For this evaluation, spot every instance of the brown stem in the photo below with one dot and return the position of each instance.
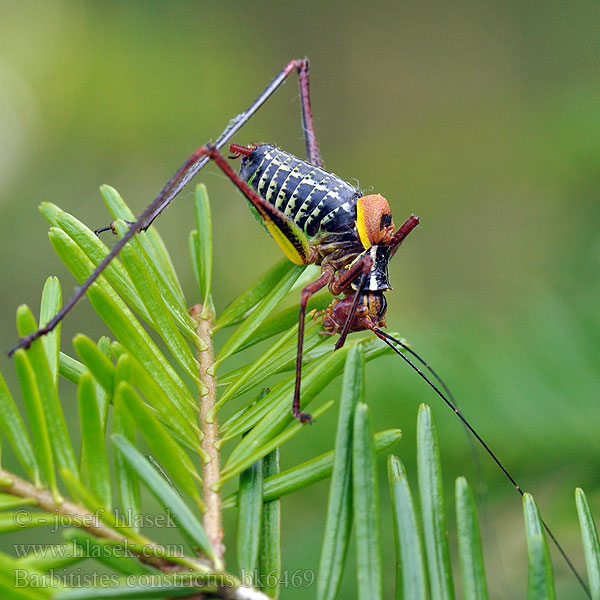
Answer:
(229, 588)
(211, 469)
(80, 516)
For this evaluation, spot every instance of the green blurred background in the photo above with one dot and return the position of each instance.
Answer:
(482, 118)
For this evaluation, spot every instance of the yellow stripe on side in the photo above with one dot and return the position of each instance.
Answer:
(284, 243)
(361, 224)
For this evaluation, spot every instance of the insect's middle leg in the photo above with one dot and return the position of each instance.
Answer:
(307, 292)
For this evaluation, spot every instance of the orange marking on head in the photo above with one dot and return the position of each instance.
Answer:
(374, 220)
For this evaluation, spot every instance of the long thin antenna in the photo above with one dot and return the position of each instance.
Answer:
(388, 339)
(428, 367)
(481, 489)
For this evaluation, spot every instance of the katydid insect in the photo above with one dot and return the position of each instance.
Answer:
(316, 218)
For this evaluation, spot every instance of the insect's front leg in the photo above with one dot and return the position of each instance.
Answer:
(361, 270)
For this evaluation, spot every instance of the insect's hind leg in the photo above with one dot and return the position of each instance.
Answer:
(186, 172)
(313, 154)
(193, 165)
(199, 158)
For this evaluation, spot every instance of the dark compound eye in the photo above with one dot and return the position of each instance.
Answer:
(386, 221)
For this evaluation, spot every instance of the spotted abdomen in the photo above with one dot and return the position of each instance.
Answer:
(317, 201)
